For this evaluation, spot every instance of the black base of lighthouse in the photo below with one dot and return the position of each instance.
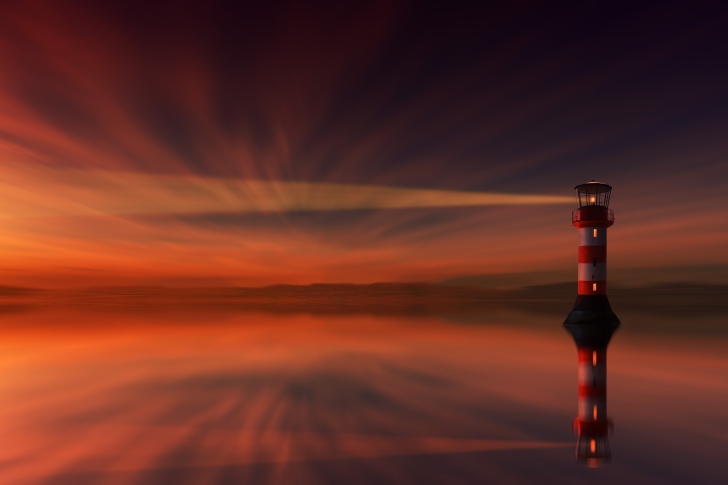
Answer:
(592, 310)
(591, 336)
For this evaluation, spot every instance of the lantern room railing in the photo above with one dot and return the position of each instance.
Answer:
(576, 215)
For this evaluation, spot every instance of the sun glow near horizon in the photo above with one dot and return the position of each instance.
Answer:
(108, 226)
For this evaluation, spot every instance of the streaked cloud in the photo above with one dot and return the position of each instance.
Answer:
(267, 148)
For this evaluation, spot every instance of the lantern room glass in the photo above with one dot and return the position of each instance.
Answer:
(593, 193)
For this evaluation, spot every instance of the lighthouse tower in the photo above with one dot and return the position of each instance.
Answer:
(592, 217)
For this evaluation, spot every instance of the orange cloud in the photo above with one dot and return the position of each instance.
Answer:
(132, 150)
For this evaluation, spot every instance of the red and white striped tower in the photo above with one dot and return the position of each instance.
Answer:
(591, 423)
(592, 218)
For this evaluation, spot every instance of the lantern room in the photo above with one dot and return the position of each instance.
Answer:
(593, 211)
(593, 193)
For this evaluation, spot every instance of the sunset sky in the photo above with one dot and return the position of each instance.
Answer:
(152, 142)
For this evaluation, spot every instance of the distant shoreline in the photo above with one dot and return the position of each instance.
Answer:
(378, 297)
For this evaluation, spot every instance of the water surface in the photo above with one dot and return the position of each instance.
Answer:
(207, 395)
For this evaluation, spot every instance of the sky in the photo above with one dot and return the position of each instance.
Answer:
(203, 144)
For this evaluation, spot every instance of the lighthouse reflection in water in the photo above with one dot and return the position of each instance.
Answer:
(592, 424)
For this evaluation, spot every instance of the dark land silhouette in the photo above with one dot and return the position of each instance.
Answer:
(672, 299)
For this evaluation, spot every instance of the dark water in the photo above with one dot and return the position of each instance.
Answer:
(207, 396)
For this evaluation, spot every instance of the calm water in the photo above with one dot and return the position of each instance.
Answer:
(206, 396)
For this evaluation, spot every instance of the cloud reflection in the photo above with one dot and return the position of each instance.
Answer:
(252, 391)
(212, 396)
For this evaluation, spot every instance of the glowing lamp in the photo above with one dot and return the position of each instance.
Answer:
(593, 194)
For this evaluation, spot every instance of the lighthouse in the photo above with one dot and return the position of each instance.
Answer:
(592, 217)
